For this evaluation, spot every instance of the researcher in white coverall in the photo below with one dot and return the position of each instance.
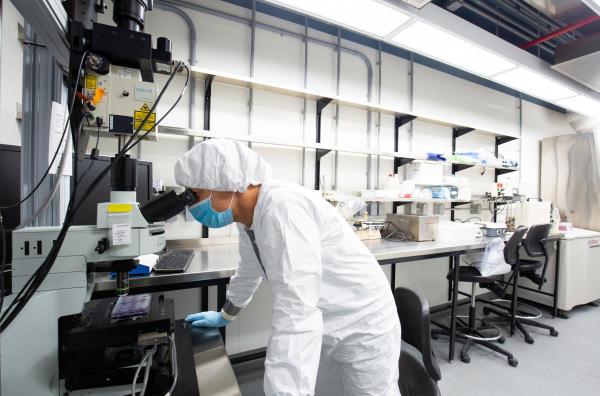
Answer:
(335, 326)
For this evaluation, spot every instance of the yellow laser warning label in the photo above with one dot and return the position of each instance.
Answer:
(140, 115)
(119, 208)
(90, 81)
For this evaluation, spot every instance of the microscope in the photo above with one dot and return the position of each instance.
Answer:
(61, 340)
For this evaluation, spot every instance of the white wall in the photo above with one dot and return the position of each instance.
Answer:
(11, 74)
(225, 45)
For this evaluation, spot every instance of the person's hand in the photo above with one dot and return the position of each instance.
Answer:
(207, 319)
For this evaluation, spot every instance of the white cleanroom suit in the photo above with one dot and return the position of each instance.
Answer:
(335, 328)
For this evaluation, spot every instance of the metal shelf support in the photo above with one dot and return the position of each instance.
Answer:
(321, 104)
(499, 141)
(207, 99)
(459, 167)
(400, 120)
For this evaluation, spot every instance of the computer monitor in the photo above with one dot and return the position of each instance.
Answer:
(86, 215)
(10, 193)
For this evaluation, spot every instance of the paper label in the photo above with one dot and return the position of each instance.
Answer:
(163, 67)
(140, 115)
(144, 92)
(121, 234)
(90, 81)
(119, 208)
(124, 73)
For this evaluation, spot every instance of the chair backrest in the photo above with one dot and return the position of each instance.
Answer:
(413, 311)
(511, 249)
(535, 241)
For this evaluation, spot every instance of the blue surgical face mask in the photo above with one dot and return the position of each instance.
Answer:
(204, 213)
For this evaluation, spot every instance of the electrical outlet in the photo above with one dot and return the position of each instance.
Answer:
(476, 209)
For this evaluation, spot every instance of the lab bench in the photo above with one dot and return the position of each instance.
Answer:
(213, 265)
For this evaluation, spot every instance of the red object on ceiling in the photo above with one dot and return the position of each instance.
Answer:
(566, 29)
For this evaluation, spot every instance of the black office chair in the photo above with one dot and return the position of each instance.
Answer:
(418, 377)
(487, 333)
(519, 314)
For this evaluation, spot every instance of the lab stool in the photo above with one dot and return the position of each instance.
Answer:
(468, 331)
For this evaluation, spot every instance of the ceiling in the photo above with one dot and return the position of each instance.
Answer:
(521, 21)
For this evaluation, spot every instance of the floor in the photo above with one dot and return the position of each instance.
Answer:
(566, 365)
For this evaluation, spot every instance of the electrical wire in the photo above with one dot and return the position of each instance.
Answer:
(467, 220)
(40, 274)
(44, 205)
(128, 146)
(147, 371)
(173, 365)
(93, 158)
(397, 235)
(19, 297)
(59, 143)
(146, 358)
(3, 239)
(187, 79)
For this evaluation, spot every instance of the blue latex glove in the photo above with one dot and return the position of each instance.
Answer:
(207, 319)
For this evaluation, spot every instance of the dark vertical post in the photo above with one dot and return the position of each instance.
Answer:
(221, 296)
(456, 262)
(321, 104)
(207, 99)
(556, 279)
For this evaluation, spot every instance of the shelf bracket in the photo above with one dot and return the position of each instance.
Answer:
(402, 119)
(459, 131)
(207, 98)
(459, 167)
(399, 120)
(501, 171)
(504, 139)
(399, 161)
(320, 153)
(501, 140)
(455, 204)
(321, 104)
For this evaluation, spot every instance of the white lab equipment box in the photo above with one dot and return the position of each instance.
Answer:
(427, 173)
(579, 274)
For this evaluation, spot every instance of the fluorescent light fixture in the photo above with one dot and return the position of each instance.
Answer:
(534, 84)
(369, 16)
(581, 104)
(451, 49)
(594, 5)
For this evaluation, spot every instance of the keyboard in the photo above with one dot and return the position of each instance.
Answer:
(174, 261)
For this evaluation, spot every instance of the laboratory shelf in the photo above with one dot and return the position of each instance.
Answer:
(323, 98)
(321, 148)
(334, 196)
(458, 166)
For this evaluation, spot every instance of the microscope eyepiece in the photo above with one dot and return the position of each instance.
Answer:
(167, 205)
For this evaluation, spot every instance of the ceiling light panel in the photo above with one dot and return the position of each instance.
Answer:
(534, 84)
(369, 16)
(594, 5)
(448, 48)
(581, 104)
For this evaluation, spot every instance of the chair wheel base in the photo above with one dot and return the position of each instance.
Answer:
(554, 333)
(513, 362)
(529, 340)
(465, 358)
(501, 340)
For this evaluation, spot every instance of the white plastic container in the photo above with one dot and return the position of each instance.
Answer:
(425, 173)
